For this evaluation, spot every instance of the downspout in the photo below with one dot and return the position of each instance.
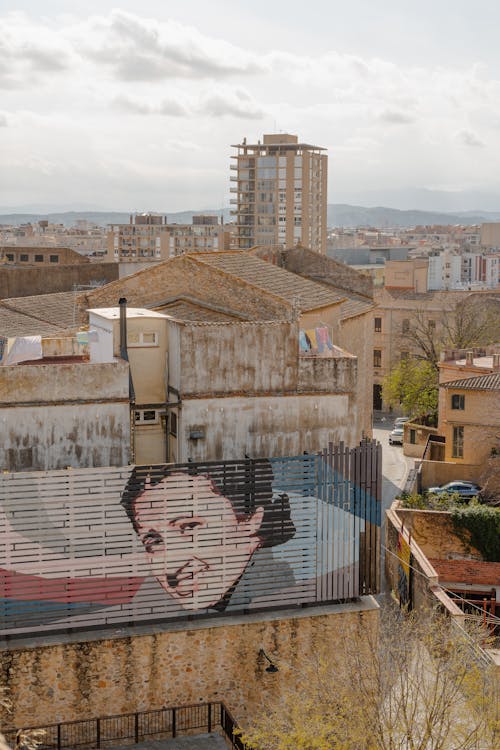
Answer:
(124, 355)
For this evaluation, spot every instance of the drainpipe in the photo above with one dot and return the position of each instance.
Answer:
(124, 355)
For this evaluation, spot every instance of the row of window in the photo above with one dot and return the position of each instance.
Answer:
(405, 326)
(24, 258)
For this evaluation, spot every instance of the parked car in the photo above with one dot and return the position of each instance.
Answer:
(399, 421)
(461, 487)
(396, 436)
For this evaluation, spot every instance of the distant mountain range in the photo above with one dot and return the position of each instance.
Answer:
(339, 215)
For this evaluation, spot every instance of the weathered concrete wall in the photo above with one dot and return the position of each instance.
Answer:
(265, 426)
(333, 374)
(59, 415)
(114, 673)
(434, 533)
(356, 336)
(58, 383)
(39, 438)
(434, 473)
(239, 358)
(24, 282)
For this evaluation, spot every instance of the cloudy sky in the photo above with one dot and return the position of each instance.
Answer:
(134, 106)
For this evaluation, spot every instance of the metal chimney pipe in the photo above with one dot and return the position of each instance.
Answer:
(123, 328)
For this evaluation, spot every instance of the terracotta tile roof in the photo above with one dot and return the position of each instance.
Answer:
(191, 311)
(489, 382)
(13, 323)
(59, 309)
(269, 278)
(468, 571)
(355, 305)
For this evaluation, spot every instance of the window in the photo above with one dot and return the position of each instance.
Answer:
(173, 423)
(458, 402)
(457, 450)
(10, 256)
(404, 356)
(406, 326)
(24, 258)
(142, 338)
(378, 325)
(54, 259)
(431, 325)
(377, 358)
(38, 258)
(146, 416)
(413, 437)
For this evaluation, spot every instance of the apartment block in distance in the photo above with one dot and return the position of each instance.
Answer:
(148, 237)
(280, 188)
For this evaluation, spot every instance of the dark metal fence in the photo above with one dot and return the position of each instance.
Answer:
(129, 729)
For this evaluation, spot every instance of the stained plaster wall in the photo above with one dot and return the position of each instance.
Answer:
(238, 357)
(262, 426)
(115, 673)
(59, 415)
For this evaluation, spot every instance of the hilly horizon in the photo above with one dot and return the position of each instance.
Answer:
(338, 215)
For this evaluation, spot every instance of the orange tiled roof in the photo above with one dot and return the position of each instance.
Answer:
(467, 571)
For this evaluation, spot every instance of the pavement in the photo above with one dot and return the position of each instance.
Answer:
(395, 468)
(193, 742)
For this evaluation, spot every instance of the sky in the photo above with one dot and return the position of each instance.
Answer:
(134, 106)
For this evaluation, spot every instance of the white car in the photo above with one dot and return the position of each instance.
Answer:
(399, 421)
(396, 436)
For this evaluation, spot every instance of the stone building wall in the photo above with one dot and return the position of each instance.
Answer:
(24, 282)
(52, 680)
(433, 531)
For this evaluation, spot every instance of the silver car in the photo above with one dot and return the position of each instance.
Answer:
(461, 487)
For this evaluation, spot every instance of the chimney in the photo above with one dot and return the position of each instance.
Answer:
(123, 344)
(469, 358)
(123, 328)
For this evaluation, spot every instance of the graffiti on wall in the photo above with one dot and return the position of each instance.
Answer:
(82, 548)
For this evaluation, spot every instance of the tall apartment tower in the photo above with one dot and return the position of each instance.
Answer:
(280, 186)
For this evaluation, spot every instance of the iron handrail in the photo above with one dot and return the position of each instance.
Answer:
(134, 727)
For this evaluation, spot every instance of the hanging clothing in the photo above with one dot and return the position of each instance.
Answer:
(23, 349)
(311, 335)
(304, 343)
(323, 337)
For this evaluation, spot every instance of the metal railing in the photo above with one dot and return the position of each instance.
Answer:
(132, 728)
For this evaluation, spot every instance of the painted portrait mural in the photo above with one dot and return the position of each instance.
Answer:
(105, 546)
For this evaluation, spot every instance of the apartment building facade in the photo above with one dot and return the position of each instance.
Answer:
(148, 237)
(280, 193)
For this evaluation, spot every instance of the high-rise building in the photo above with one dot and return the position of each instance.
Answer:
(280, 186)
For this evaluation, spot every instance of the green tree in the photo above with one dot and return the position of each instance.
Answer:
(417, 685)
(413, 383)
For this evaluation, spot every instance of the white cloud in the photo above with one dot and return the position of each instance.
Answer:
(29, 51)
(218, 102)
(3, 120)
(139, 49)
(469, 138)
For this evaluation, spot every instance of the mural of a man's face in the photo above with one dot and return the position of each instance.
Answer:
(196, 544)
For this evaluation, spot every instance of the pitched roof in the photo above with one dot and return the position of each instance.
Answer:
(468, 571)
(59, 309)
(13, 323)
(192, 311)
(488, 382)
(269, 278)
